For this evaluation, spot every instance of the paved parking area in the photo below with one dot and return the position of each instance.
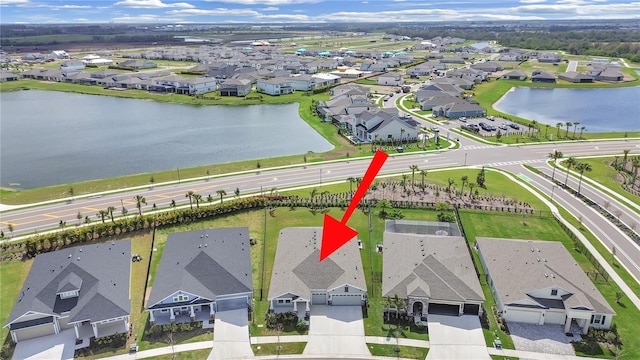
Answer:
(456, 337)
(335, 331)
(52, 347)
(548, 339)
(231, 336)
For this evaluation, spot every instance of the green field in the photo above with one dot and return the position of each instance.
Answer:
(405, 352)
(605, 175)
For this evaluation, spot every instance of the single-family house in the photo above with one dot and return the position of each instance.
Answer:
(539, 282)
(275, 86)
(542, 77)
(477, 76)
(391, 79)
(384, 125)
(7, 76)
(452, 60)
(58, 54)
(325, 79)
(200, 273)
(84, 288)
(428, 102)
(576, 77)
(458, 108)
(300, 280)
(429, 265)
(445, 87)
(137, 64)
(72, 65)
(235, 87)
(302, 82)
(488, 67)
(549, 57)
(514, 75)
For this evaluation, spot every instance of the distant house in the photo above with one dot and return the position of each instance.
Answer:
(452, 60)
(391, 79)
(576, 77)
(425, 68)
(325, 79)
(549, 57)
(200, 273)
(85, 288)
(137, 64)
(303, 82)
(299, 280)
(7, 76)
(58, 54)
(539, 282)
(542, 77)
(433, 273)
(515, 75)
(385, 125)
(72, 65)
(458, 108)
(275, 86)
(489, 66)
(235, 87)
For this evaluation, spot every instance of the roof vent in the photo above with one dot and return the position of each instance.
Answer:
(78, 258)
(69, 257)
(206, 235)
(80, 249)
(113, 243)
(205, 245)
(538, 259)
(532, 250)
(546, 275)
(553, 276)
(201, 236)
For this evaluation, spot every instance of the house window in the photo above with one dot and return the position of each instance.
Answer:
(280, 301)
(554, 292)
(287, 301)
(346, 289)
(597, 319)
(164, 310)
(180, 298)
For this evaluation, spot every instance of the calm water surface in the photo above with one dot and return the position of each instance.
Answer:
(599, 110)
(50, 138)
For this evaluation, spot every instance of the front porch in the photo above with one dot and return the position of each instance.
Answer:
(179, 315)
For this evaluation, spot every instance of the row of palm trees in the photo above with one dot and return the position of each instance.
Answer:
(568, 124)
(570, 163)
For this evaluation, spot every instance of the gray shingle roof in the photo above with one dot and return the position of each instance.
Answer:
(101, 272)
(206, 263)
(298, 270)
(436, 266)
(517, 271)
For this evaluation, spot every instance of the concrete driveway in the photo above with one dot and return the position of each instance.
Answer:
(547, 338)
(57, 346)
(231, 336)
(336, 330)
(456, 337)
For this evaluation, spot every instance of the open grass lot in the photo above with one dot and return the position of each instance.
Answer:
(12, 275)
(405, 352)
(605, 175)
(285, 348)
(478, 224)
(187, 355)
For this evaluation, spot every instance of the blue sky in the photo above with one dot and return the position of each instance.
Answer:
(269, 11)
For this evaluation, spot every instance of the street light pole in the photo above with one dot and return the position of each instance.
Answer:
(320, 176)
(465, 159)
(553, 188)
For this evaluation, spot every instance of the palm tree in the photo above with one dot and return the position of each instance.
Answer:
(403, 182)
(558, 125)
(189, 195)
(423, 173)
(351, 180)
(139, 199)
(557, 154)
(582, 167)
(222, 193)
(582, 128)
(566, 133)
(79, 217)
(625, 153)
(110, 210)
(465, 180)
(471, 186)
(451, 183)
(401, 133)
(237, 193)
(569, 163)
(575, 127)
(209, 199)
(197, 198)
(635, 164)
(102, 214)
(546, 129)
(413, 168)
(172, 204)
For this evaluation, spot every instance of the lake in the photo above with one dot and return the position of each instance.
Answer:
(50, 138)
(598, 109)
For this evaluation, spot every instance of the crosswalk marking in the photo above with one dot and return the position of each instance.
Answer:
(536, 161)
(478, 147)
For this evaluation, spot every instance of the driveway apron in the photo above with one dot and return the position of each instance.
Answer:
(231, 336)
(336, 330)
(51, 347)
(456, 337)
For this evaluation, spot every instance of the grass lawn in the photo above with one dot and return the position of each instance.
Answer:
(405, 352)
(545, 228)
(366, 82)
(12, 276)
(285, 348)
(605, 175)
(186, 355)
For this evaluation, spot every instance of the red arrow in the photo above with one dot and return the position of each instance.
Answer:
(334, 233)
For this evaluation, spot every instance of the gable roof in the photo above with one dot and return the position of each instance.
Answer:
(297, 268)
(516, 270)
(100, 272)
(416, 263)
(207, 263)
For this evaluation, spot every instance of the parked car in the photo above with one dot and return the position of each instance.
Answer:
(514, 126)
(502, 127)
(462, 118)
(491, 118)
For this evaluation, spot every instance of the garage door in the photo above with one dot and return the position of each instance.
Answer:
(319, 299)
(555, 317)
(232, 304)
(346, 300)
(35, 331)
(531, 317)
(444, 309)
(471, 309)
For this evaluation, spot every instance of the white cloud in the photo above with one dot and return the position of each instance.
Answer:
(532, 1)
(284, 17)
(58, 7)
(268, 2)
(214, 12)
(144, 18)
(81, 20)
(12, 2)
(153, 4)
(270, 8)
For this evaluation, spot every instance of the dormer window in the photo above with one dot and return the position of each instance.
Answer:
(554, 292)
(180, 298)
(69, 294)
